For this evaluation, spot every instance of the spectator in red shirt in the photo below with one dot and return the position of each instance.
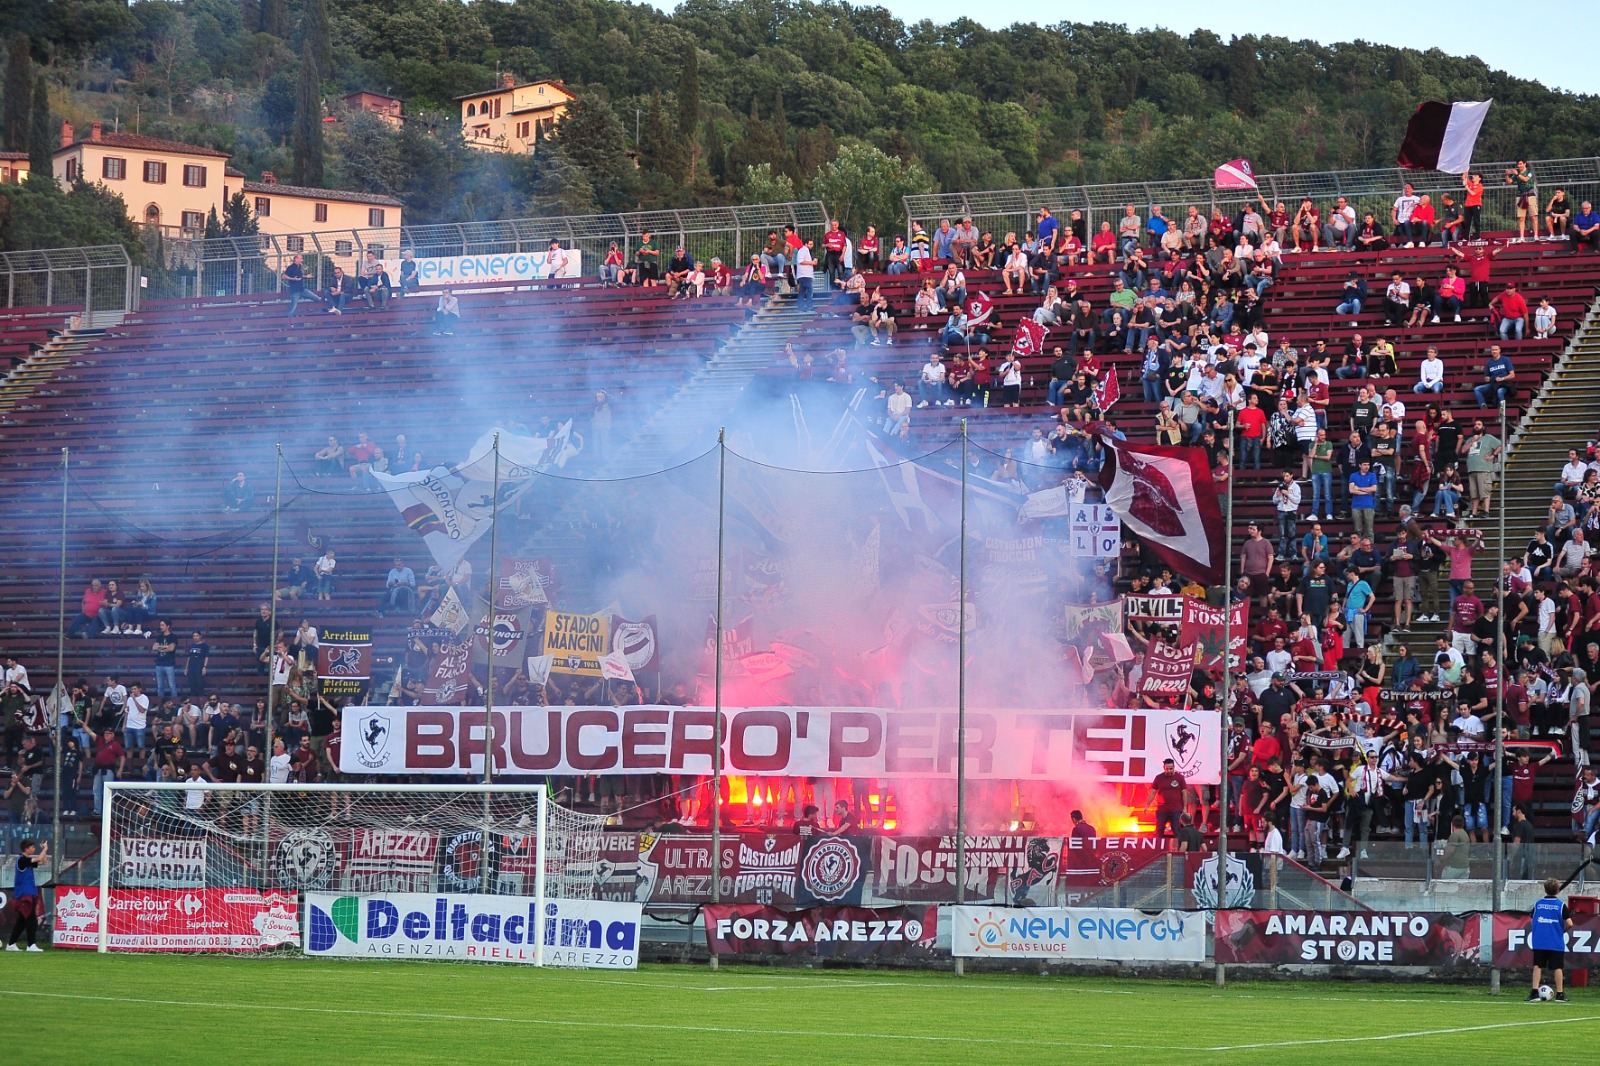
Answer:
(833, 243)
(1513, 311)
(1477, 259)
(1252, 421)
(88, 617)
(1169, 794)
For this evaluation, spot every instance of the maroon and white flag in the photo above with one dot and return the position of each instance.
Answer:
(1029, 338)
(1166, 496)
(979, 308)
(1208, 628)
(1236, 174)
(1108, 392)
(1167, 668)
(1442, 136)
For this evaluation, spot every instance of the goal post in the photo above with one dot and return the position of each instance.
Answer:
(291, 840)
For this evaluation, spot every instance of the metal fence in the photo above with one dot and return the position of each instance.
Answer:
(99, 282)
(1017, 210)
(241, 265)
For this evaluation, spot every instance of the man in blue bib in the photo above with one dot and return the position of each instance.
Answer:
(25, 900)
(1547, 936)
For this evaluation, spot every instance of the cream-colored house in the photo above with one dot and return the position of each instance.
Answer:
(174, 186)
(14, 166)
(512, 117)
(290, 209)
(164, 183)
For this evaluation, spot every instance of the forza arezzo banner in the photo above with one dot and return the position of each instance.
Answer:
(156, 919)
(1354, 938)
(1511, 950)
(1118, 934)
(824, 932)
(1119, 746)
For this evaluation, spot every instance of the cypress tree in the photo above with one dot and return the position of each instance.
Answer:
(307, 140)
(41, 134)
(19, 93)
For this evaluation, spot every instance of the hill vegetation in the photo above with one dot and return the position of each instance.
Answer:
(726, 101)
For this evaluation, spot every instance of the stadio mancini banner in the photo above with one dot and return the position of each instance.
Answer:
(1093, 745)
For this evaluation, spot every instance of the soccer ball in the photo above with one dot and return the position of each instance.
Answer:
(1545, 991)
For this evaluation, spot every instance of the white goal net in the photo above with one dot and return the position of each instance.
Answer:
(508, 840)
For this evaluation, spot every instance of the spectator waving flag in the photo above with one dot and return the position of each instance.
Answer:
(979, 308)
(1166, 496)
(1029, 338)
(1442, 136)
(1236, 174)
(1107, 392)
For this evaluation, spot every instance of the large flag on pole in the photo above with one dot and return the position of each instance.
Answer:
(452, 507)
(1236, 174)
(1167, 497)
(979, 307)
(1442, 136)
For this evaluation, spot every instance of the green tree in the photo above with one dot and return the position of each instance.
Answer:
(42, 134)
(689, 109)
(238, 219)
(663, 150)
(41, 214)
(213, 225)
(863, 186)
(274, 18)
(593, 139)
(762, 185)
(314, 34)
(19, 93)
(308, 163)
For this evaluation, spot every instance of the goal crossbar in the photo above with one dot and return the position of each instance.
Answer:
(539, 792)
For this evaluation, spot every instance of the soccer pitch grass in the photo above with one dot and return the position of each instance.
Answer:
(82, 1008)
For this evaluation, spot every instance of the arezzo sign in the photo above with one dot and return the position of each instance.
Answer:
(1043, 745)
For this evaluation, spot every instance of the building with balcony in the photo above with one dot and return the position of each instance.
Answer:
(511, 117)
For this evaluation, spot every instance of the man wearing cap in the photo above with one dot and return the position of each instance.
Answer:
(965, 239)
(1169, 794)
(1513, 311)
(679, 267)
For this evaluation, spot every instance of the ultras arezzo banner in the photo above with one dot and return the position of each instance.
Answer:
(473, 927)
(1119, 934)
(1117, 746)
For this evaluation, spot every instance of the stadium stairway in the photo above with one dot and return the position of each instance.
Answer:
(34, 372)
(710, 393)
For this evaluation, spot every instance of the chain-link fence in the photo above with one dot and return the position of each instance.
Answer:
(1017, 210)
(98, 283)
(230, 266)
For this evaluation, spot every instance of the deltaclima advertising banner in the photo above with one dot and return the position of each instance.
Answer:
(475, 928)
(1112, 934)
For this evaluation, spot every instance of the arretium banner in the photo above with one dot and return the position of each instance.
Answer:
(1125, 746)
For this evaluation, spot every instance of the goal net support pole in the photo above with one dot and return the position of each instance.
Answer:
(469, 838)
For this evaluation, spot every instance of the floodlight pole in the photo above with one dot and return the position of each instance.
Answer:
(961, 700)
(1498, 842)
(716, 683)
(1226, 691)
(58, 737)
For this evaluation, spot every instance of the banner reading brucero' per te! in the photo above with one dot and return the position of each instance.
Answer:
(445, 270)
(1116, 746)
(834, 932)
(474, 927)
(1117, 934)
(1403, 939)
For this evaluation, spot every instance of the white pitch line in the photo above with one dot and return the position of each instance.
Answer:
(953, 1038)
(1405, 1036)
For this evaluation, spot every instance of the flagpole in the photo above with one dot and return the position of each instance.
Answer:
(272, 663)
(716, 683)
(488, 690)
(57, 739)
(1499, 705)
(961, 700)
(1227, 685)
